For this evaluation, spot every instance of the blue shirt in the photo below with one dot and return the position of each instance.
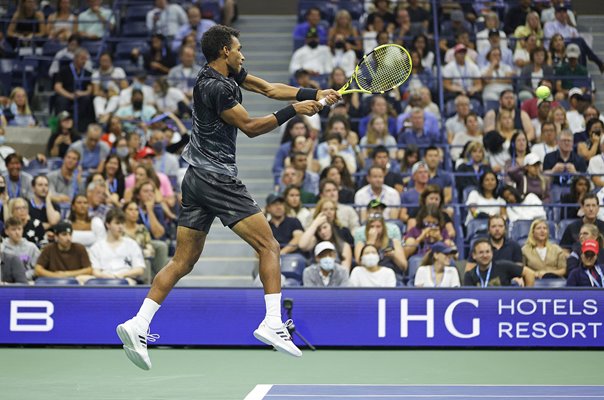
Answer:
(430, 122)
(365, 121)
(280, 157)
(184, 31)
(301, 30)
(426, 138)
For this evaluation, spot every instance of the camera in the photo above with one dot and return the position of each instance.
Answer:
(288, 304)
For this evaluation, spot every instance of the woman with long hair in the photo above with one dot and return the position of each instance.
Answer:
(390, 251)
(27, 23)
(474, 162)
(524, 46)
(294, 207)
(532, 26)
(164, 194)
(591, 147)
(327, 231)
(579, 187)
(587, 231)
(420, 45)
(62, 23)
(339, 163)
(534, 72)
(342, 25)
(485, 201)
(436, 269)
(369, 272)
(114, 177)
(557, 115)
(134, 230)
(433, 196)
(496, 147)
(328, 209)
(429, 229)
(18, 112)
(420, 77)
(345, 194)
(545, 258)
(557, 50)
(519, 148)
(410, 157)
(378, 134)
(86, 231)
(522, 205)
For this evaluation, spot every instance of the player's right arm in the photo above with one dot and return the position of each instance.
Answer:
(238, 116)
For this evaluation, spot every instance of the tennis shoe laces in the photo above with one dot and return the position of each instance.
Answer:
(134, 336)
(279, 338)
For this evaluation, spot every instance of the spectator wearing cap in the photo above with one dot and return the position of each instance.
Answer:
(548, 13)
(73, 87)
(545, 258)
(559, 25)
(420, 174)
(312, 20)
(370, 272)
(436, 269)
(461, 76)
(286, 230)
(529, 178)
(494, 42)
(91, 149)
(376, 189)
(590, 272)
(197, 25)
(63, 258)
(65, 183)
(573, 70)
(62, 137)
(417, 132)
(325, 272)
(375, 210)
(380, 157)
(462, 38)
(314, 57)
(491, 21)
(18, 182)
(493, 273)
(516, 15)
(564, 162)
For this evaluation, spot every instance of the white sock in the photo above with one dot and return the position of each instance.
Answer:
(273, 310)
(148, 310)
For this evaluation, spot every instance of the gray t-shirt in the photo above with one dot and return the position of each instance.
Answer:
(20, 188)
(213, 141)
(59, 185)
(26, 251)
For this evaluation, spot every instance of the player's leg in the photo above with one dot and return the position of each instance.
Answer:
(133, 333)
(256, 231)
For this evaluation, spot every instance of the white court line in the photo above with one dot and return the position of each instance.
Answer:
(259, 392)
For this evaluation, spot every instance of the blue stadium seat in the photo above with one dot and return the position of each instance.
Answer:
(291, 282)
(292, 266)
(563, 224)
(414, 263)
(50, 48)
(137, 13)
(123, 49)
(57, 281)
(135, 29)
(466, 192)
(475, 228)
(94, 47)
(107, 282)
(520, 229)
(353, 7)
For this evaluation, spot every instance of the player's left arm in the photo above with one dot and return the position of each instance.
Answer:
(280, 91)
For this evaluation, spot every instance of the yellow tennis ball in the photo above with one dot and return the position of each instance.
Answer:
(543, 92)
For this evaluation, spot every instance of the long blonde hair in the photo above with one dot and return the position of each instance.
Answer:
(531, 241)
(550, 117)
(13, 93)
(372, 135)
(349, 27)
(319, 209)
(385, 238)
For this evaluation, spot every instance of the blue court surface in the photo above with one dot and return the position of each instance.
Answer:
(423, 392)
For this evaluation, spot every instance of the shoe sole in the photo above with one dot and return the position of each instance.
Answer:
(132, 354)
(258, 335)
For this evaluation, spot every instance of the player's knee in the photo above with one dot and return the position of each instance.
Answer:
(270, 246)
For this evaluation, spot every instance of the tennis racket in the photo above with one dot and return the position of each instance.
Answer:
(385, 68)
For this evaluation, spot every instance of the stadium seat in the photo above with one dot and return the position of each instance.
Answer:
(135, 29)
(520, 229)
(292, 266)
(137, 13)
(107, 282)
(550, 283)
(491, 105)
(94, 47)
(476, 227)
(291, 282)
(563, 224)
(50, 48)
(414, 263)
(57, 281)
(123, 49)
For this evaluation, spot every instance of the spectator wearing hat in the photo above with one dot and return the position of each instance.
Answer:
(376, 189)
(548, 13)
(375, 210)
(312, 20)
(590, 272)
(91, 149)
(529, 178)
(494, 42)
(492, 273)
(420, 174)
(462, 38)
(18, 182)
(64, 135)
(325, 272)
(63, 258)
(461, 76)
(286, 230)
(314, 57)
(573, 70)
(436, 269)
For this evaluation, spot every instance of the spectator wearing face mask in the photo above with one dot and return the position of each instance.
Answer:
(369, 273)
(325, 272)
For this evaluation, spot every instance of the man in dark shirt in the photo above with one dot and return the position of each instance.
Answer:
(590, 207)
(564, 162)
(74, 90)
(503, 249)
(286, 230)
(489, 272)
(211, 188)
(381, 158)
(41, 207)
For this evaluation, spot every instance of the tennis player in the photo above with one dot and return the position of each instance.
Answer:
(211, 189)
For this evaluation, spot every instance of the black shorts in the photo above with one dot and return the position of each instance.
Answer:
(207, 195)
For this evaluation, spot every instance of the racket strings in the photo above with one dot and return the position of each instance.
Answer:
(383, 69)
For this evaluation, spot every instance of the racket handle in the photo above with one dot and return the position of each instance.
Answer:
(323, 101)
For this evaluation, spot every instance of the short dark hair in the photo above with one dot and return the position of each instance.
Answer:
(12, 221)
(106, 53)
(372, 168)
(379, 150)
(497, 216)
(12, 157)
(215, 39)
(589, 196)
(431, 148)
(480, 241)
(325, 182)
(33, 181)
(115, 214)
(333, 135)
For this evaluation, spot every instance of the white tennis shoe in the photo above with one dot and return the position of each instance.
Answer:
(279, 338)
(134, 336)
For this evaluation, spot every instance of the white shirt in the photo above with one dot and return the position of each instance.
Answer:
(483, 205)
(347, 216)
(347, 60)
(89, 238)
(454, 71)
(171, 19)
(596, 165)
(318, 59)
(492, 90)
(169, 103)
(389, 196)
(576, 122)
(549, 14)
(113, 260)
(552, 27)
(482, 41)
(521, 212)
(361, 277)
(111, 79)
(541, 149)
(91, 24)
(424, 277)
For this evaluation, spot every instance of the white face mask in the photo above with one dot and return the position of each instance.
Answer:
(327, 263)
(370, 260)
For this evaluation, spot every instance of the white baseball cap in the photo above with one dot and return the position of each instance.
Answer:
(531, 159)
(321, 247)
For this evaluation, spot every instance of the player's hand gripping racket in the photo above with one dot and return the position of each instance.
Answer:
(387, 67)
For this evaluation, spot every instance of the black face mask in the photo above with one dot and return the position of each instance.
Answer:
(340, 45)
(313, 44)
(137, 105)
